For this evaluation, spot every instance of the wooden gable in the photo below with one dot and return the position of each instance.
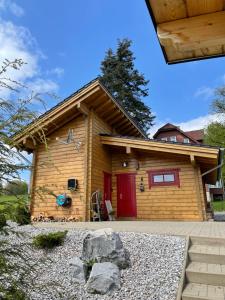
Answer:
(189, 29)
(92, 97)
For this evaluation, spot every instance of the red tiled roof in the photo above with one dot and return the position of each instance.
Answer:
(169, 126)
(197, 135)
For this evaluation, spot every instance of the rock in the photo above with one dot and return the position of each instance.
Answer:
(104, 278)
(105, 245)
(78, 270)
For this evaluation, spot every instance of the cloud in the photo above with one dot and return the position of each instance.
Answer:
(193, 124)
(40, 85)
(56, 71)
(200, 122)
(17, 42)
(11, 6)
(204, 92)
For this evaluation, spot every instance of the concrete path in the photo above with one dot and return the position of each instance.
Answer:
(202, 229)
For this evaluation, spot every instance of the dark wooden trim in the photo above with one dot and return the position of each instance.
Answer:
(174, 171)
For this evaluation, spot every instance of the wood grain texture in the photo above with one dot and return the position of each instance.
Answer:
(200, 7)
(168, 10)
(53, 167)
(161, 203)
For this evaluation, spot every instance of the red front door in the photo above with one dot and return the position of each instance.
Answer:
(107, 191)
(126, 195)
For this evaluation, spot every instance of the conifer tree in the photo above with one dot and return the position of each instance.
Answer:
(127, 85)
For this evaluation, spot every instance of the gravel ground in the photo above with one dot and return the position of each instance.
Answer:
(154, 275)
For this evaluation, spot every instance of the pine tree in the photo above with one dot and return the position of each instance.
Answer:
(126, 84)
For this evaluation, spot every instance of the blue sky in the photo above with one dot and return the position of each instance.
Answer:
(63, 43)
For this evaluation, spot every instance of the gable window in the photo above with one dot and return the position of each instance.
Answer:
(173, 138)
(186, 140)
(163, 177)
(164, 139)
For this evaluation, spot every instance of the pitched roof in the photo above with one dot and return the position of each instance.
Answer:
(198, 135)
(93, 95)
(170, 127)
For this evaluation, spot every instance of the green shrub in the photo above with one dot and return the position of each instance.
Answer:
(2, 221)
(14, 294)
(22, 215)
(49, 240)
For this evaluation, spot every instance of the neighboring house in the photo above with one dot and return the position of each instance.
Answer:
(93, 144)
(172, 133)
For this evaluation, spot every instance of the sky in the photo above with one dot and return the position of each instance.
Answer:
(63, 43)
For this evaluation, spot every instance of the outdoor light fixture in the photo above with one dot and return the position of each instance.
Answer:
(125, 164)
(142, 187)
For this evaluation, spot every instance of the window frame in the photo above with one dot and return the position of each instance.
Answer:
(165, 138)
(152, 173)
(175, 138)
(186, 140)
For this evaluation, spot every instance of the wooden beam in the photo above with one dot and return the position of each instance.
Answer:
(120, 123)
(83, 108)
(201, 7)
(128, 150)
(193, 33)
(168, 10)
(59, 110)
(114, 117)
(193, 161)
(109, 111)
(100, 102)
(162, 147)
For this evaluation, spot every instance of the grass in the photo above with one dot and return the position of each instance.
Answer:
(15, 208)
(9, 198)
(219, 205)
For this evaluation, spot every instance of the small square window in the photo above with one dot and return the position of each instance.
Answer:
(186, 140)
(169, 178)
(173, 138)
(158, 178)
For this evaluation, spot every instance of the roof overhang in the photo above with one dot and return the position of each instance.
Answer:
(93, 97)
(189, 30)
(206, 157)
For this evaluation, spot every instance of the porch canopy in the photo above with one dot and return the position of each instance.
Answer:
(189, 29)
(206, 157)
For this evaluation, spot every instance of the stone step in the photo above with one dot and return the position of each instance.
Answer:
(212, 274)
(195, 291)
(207, 254)
(215, 242)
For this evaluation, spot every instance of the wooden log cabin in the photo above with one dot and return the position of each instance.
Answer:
(91, 140)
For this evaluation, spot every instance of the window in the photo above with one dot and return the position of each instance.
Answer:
(164, 177)
(173, 138)
(186, 140)
(164, 139)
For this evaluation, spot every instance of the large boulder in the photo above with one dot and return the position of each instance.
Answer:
(105, 245)
(104, 278)
(78, 270)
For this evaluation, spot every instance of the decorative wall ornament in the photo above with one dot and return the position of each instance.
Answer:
(71, 139)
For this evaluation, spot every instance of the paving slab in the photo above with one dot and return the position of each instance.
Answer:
(200, 229)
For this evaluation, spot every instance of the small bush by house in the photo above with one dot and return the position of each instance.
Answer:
(2, 221)
(49, 240)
